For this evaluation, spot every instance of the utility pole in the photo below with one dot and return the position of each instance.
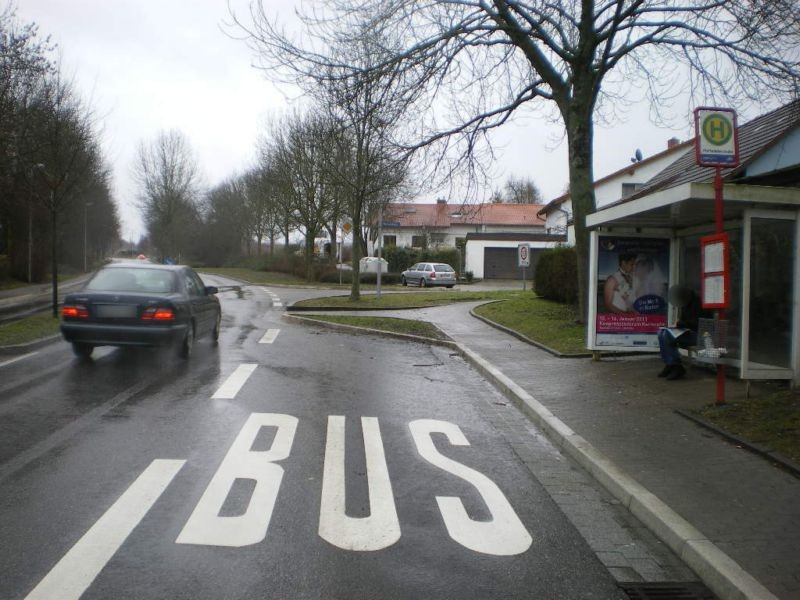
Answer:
(54, 250)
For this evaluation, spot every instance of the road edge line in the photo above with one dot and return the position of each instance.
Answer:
(724, 576)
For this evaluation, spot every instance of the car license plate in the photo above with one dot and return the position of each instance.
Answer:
(115, 311)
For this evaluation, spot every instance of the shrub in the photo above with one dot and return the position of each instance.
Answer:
(469, 276)
(400, 259)
(556, 275)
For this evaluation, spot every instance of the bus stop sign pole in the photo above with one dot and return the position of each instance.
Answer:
(717, 146)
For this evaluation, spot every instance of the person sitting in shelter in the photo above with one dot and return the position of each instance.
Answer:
(682, 335)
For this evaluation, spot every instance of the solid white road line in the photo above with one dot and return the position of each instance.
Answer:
(18, 358)
(235, 381)
(74, 573)
(276, 304)
(269, 336)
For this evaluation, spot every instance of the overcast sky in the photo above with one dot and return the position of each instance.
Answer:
(149, 65)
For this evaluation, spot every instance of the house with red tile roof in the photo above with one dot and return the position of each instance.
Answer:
(489, 232)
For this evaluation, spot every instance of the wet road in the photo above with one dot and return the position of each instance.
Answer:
(288, 462)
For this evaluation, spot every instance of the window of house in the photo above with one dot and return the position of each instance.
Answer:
(629, 188)
(418, 241)
(390, 240)
(438, 238)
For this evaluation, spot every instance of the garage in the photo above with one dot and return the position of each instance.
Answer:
(494, 255)
(501, 263)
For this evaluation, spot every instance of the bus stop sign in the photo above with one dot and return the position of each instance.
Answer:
(717, 137)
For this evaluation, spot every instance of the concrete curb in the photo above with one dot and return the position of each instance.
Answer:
(715, 568)
(369, 331)
(24, 348)
(524, 338)
(774, 457)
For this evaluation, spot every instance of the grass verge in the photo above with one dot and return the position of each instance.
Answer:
(28, 329)
(544, 321)
(412, 327)
(772, 420)
(406, 300)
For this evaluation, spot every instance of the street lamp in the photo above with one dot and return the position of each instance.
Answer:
(38, 166)
(85, 227)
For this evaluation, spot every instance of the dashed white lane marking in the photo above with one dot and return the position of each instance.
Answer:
(269, 336)
(276, 301)
(18, 358)
(74, 573)
(235, 381)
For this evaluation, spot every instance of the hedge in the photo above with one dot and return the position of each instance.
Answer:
(556, 275)
(400, 259)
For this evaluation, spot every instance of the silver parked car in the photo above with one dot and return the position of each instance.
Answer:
(425, 273)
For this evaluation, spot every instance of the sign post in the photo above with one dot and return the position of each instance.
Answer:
(523, 261)
(717, 146)
(347, 227)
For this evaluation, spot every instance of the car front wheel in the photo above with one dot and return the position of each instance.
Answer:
(403, 281)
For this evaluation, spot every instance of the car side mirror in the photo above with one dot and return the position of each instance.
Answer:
(211, 289)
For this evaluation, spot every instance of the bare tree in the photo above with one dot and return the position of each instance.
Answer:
(476, 63)
(298, 150)
(518, 190)
(169, 190)
(364, 166)
(69, 154)
(263, 206)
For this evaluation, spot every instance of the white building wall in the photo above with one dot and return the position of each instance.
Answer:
(476, 249)
(610, 191)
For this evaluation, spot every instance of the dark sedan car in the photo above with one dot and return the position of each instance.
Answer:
(141, 304)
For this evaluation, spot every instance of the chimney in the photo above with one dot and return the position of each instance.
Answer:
(672, 142)
(441, 201)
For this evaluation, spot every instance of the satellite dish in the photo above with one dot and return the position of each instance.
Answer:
(638, 155)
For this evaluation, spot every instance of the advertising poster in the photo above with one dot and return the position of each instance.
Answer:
(633, 279)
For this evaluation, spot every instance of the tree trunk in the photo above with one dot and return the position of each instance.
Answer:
(259, 237)
(272, 243)
(355, 287)
(580, 135)
(310, 235)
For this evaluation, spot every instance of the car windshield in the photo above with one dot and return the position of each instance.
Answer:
(443, 268)
(150, 281)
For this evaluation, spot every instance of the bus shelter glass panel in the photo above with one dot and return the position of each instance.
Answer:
(773, 251)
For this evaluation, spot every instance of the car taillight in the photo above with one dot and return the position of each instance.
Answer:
(76, 311)
(433, 275)
(158, 314)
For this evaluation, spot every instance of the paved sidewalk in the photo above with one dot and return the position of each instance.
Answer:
(747, 507)
(22, 300)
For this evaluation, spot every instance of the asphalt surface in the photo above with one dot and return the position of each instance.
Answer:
(243, 474)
